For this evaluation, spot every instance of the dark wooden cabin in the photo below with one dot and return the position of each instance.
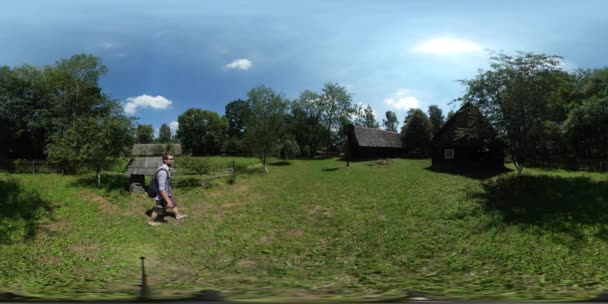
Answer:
(373, 143)
(145, 160)
(467, 141)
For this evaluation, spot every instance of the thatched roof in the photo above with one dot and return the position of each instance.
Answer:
(367, 137)
(156, 149)
(144, 165)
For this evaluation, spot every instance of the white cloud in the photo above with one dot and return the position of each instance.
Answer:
(403, 100)
(241, 64)
(173, 126)
(567, 66)
(106, 45)
(447, 46)
(145, 101)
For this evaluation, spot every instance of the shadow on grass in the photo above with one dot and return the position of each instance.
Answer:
(109, 182)
(21, 211)
(330, 169)
(280, 163)
(555, 203)
(480, 174)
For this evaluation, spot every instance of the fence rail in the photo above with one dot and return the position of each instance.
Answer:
(36, 166)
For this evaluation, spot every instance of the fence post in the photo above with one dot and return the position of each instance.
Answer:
(233, 172)
(33, 167)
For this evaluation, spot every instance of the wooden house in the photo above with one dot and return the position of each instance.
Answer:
(373, 143)
(145, 160)
(467, 141)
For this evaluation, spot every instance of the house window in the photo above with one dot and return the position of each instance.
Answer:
(449, 153)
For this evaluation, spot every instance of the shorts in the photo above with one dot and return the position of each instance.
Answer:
(161, 206)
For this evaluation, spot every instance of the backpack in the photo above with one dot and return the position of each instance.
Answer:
(153, 186)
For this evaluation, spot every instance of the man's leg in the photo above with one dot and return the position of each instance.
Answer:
(178, 216)
(157, 211)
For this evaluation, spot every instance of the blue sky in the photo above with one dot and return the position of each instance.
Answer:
(167, 56)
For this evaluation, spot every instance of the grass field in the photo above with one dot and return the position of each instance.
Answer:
(312, 229)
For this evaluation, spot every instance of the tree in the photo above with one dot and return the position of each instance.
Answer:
(75, 88)
(514, 95)
(391, 122)
(25, 116)
(417, 132)
(305, 122)
(407, 117)
(436, 118)
(266, 124)
(237, 113)
(93, 141)
(358, 115)
(164, 135)
(288, 148)
(450, 114)
(201, 132)
(586, 123)
(145, 134)
(337, 106)
(369, 120)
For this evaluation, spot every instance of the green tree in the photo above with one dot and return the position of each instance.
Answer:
(450, 114)
(288, 148)
(436, 118)
(25, 116)
(145, 134)
(75, 89)
(266, 124)
(369, 119)
(391, 122)
(336, 104)
(514, 94)
(407, 117)
(417, 132)
(586, 123)
(237, 113)
(93, 141)
(201, 132)
(164, 135)
(305, 122)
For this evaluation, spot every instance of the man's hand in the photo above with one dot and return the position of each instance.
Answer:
(165, 196)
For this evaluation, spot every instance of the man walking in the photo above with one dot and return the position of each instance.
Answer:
(164, 199)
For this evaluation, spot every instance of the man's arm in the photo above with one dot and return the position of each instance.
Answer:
(162, 181)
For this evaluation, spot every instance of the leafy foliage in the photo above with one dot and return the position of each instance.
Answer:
(201, 132)
(145, 134)
(336, 106)
(391, 122)
(164, 134)
(514, 94)
(267, 122)
(417, 131)
(436, 118)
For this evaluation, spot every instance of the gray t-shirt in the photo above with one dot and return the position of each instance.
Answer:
(164, 181)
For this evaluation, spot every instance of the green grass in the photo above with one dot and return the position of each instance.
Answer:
(314, 230)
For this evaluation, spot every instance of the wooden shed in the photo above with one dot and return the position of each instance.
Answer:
(467, 141)
(373, 143)
(145, 160)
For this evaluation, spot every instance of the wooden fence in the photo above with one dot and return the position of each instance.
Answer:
(36, 166)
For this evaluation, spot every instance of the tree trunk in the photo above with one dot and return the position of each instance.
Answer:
(264, 161)
(98, 177)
